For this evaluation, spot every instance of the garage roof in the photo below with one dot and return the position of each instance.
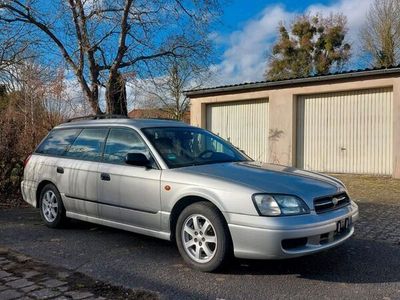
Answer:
(395, 70)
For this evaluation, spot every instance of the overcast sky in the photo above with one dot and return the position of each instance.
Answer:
(248, 29)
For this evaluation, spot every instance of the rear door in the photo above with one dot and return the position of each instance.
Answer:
(128, 194)
(50, 150)
(77, 171)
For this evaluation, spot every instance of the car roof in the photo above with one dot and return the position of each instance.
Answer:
(136, 123)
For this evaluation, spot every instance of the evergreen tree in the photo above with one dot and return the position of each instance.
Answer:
(314, 46)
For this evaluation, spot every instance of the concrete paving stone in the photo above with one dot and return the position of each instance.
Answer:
(3, 250)
(3, 287)
(63, 288)
(45, 278)
(39, 269)
(63, 275)
(9, 266)
(22, 258)
(44, 293)
(19, 283)
(10, 278)
(30, 288)
(30, 274)
(52, 283)
(4, 274)
(9, 294)
(79, 295)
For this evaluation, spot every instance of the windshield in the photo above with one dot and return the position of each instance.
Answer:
(188, 146)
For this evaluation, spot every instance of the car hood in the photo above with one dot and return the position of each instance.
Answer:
(271, 178)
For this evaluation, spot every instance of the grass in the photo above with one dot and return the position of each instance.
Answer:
(364, 188)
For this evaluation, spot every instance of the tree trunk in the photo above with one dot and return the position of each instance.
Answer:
(116, 95)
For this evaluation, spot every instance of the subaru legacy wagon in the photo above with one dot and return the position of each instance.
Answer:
(181, 183)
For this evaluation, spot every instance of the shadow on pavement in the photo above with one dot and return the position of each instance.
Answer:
(357, 261)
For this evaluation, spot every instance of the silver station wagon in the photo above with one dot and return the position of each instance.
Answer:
(177, 182)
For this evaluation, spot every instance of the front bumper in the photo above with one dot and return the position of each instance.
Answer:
(257, 237)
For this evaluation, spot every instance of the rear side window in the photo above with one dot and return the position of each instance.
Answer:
(58, 141)
(89, 144)
(121, 142)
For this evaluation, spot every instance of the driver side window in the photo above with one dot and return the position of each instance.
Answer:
(120, 142)
(208, 143)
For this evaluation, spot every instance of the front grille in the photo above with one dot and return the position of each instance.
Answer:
(329, 203)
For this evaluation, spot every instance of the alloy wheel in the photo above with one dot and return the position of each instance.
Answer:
(50, 206)
(199, 238)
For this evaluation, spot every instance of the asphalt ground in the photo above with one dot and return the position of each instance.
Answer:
(365, 267)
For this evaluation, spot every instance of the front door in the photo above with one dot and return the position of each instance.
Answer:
(128, 194)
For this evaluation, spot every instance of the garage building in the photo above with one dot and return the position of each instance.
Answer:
(337, 123)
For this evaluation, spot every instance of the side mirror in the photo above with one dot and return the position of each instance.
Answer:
(137, 159)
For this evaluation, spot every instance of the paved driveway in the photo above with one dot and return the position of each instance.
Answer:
(367, 266)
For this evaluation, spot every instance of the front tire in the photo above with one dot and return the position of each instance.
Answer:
(203, 237)
(51, 207)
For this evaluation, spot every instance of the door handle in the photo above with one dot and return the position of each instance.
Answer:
(60, 170)
(105, 177)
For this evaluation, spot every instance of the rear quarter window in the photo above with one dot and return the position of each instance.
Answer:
(58, 141)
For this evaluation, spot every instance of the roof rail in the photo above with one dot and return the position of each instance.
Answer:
(164, 119)
(98, 117)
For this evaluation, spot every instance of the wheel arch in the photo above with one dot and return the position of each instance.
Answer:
(39, 189)
(184, 202)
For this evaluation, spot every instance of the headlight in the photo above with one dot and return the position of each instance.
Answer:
(276, 205)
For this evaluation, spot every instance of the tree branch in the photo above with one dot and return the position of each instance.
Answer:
(122, 39)
(26, 17)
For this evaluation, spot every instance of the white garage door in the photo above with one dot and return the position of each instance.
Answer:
(346, 132)
(244, 124)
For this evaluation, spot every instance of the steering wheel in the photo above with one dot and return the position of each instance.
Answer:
(202, 154)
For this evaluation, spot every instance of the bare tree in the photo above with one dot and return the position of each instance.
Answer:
(40, 97)
(380, 35)
(14, 51)
(167, 92)
(101, 39)
(57, 102)
(24, 119)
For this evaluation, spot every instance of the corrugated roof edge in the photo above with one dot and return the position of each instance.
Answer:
(309, 79)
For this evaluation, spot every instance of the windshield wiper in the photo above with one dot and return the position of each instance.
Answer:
(214, 162)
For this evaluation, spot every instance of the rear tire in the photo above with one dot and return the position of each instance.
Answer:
(202, 237)
(51, 207)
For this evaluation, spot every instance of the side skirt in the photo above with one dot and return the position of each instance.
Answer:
(149, 232)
